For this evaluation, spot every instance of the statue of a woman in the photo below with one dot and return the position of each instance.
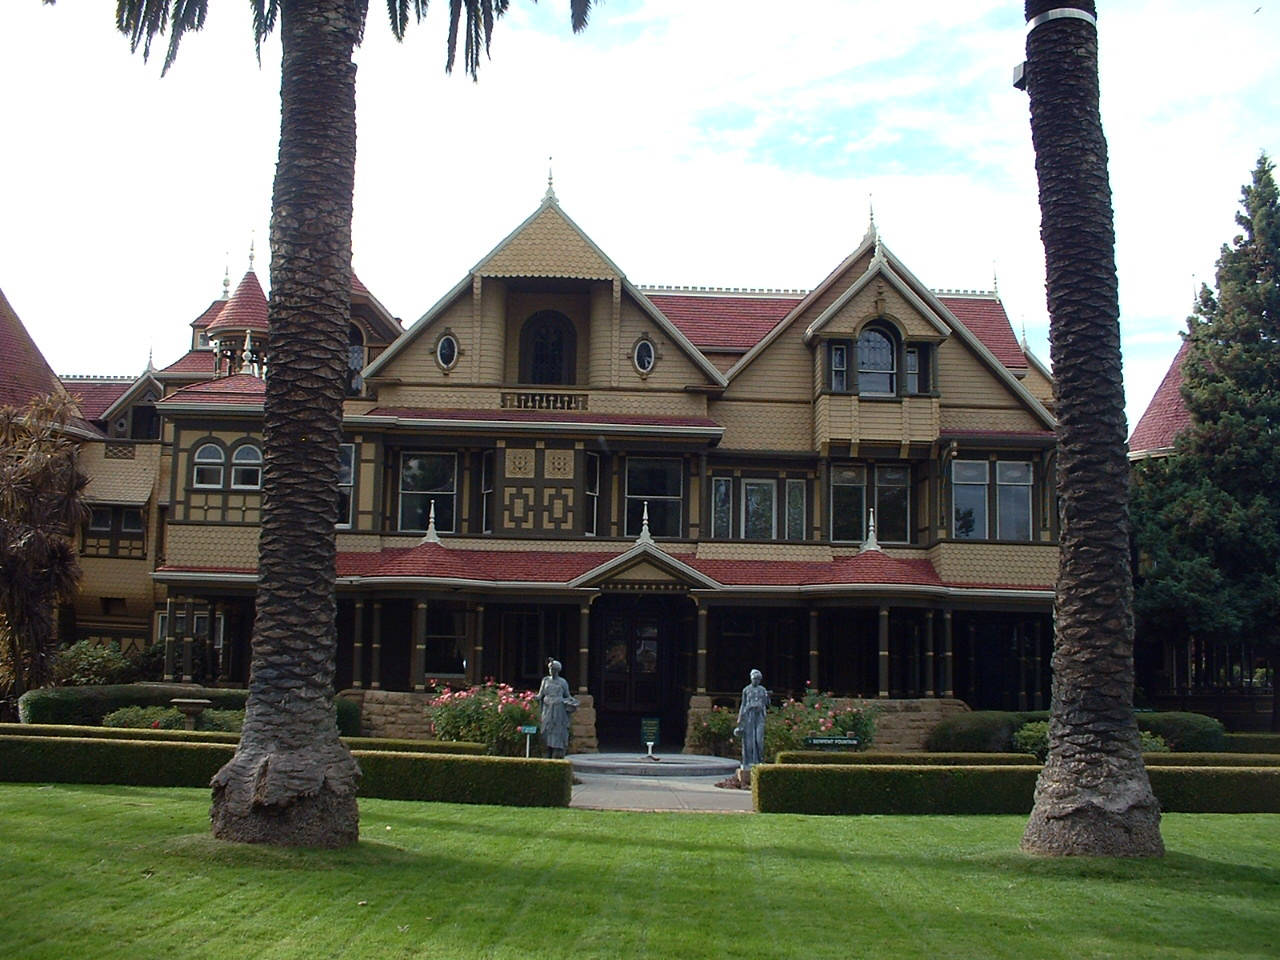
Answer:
(755, 704)
(557, 704)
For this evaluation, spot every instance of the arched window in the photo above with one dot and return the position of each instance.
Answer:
(209, 461)
(877, 363)
(246, 468)
(548, 349)
(355, 360)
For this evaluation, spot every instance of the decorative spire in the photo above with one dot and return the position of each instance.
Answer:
(995, 280)
(551, 190)
(226, 279)
(151, 367)
(870, 543)
(251, 253)
(1024, 336)
(246, 355)
(645, 536)
(431, 536)
(871, 222)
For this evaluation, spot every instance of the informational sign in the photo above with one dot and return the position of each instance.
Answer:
(832, 743)
(529, 730)
(649, 727)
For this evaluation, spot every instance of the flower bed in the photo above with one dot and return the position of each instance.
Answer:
(786, 726)
(490, 713)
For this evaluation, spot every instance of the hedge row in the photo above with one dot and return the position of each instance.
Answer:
(212, 736)
(507, 781)
(87, 706)
(1252, 742)
(897, 789)
(909, 759)
(991, 731)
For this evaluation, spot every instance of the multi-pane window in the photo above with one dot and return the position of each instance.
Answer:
(893, 503)
(759, 512)
(246, 468)
(591, 494)
(848, 502)
(795, 509)
(209, 460)
(660, 483)
(877, 364)
(100, 519)
(115, 532)
(486, 491)
(346, 481)
(1013, 500)
(427, 479)
(969, 499)
(131, 521)
(913, 369)
(838, 365)
(721, 507)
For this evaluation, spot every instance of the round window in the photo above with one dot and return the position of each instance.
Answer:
(447, 351)
(643, 356)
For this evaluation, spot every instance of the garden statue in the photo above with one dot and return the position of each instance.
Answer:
(557, 704)
(755, 704)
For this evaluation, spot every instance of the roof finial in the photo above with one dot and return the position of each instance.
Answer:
(551, 190)
(870, 543)
(645, 535)
(226, 278)
(150, 357)
(995, 280)
(251, 238)
(1024, 336)
(431, 536)
(871, 221)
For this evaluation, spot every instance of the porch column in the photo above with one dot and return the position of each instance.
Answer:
(584, 644)
(188, 641)
(929, 667)
(973, 659)
(948, 658)
(170, 642)
(418, 661)
(701, 647)
(884, 651)
(224, 662)
(813, 647)
(357, 646)
(1037, 686)
(210, 653)
(477, 646)
(1022, 667)
(375, 667)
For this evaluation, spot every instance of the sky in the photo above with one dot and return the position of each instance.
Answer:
(695, 142)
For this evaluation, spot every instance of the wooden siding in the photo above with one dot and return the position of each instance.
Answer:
(879, 299)
(1000, 564)
(672, 369)
(964, 380)
(520, 306)
(845, 418)
(548, 247)
(417, 362)
(759, 425)
(207, 545)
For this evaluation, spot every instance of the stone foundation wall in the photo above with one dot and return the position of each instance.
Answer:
(901, 725)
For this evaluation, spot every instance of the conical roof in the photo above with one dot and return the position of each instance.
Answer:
(24, 372)
(246, 310)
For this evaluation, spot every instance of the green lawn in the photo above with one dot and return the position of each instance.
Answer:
(106, 872)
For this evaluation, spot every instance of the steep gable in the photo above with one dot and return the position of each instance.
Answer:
(1166, 415)
(548, 244)
(24, 372)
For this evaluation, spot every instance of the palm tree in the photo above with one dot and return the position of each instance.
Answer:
(1093, 796)
(41, 505)
(291, 781)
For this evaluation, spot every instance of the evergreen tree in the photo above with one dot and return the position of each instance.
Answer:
(1207, 518)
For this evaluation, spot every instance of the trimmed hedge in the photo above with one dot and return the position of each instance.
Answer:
(87, 706)
(908, 759)
(507, 781)
(899, 789)
(1251, 742)
(1211, 759)
(212, 736)
(987, 731)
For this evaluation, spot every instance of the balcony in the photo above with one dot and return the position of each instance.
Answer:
(541, 400)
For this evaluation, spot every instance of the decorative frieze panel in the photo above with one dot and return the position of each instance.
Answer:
(519, 508)
(557, 508)
(520, 463)
(558, 464)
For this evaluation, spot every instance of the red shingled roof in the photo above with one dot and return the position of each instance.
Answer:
(539, 416)
(871, 566)
(724, 322)
(246, 310)
(1166, 415)
(95, 395)
(193, 363)
(24, 372)
(210, 312)
(986, 320)
(243, 388)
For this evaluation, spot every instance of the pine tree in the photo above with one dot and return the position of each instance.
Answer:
(1207, 519)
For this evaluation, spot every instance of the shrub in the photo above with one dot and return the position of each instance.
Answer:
(489, 713)
(212, 736)
(1033, 738)
(815, 715)
(909, 759)
(90, 663)
(981, 731)
(154, 718)
(86, 706)
(712, 733)
(1212, 760)
(505, 781)
(1185, 732)
(1251, 742)
(1216, 789)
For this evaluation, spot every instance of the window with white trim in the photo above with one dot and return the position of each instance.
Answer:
(848, 502)
(426, 479)
(877, 363)
(893, 503)
(246, 468)
(209, 460)
(591, 494)
(838, 366)
(346, 483)
(486, 491)
(759, 510)
(660, 483)
(1013, 500)
(969, 499)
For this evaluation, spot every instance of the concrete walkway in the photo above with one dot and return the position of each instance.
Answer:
(674, 782)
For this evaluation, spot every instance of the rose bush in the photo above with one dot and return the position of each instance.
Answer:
(489, 713)
(816, 714)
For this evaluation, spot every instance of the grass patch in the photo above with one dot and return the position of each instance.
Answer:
(128, 872)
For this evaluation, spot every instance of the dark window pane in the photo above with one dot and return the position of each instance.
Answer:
(664, 517)
(653, 478)
(970, 511)
(847, 507)
(1014, 519)
(795, 509)
(758, 507)
(427, 472)
(891, 514)
(721, 507)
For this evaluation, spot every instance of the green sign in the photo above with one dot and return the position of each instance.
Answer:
(649, 729)
(830, 743)
(528, 730)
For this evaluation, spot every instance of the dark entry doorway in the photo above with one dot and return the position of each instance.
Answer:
(639, 640)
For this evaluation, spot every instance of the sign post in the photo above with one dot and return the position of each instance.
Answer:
(649, 727)
(528, 732)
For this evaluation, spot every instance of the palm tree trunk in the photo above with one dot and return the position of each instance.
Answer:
(291, 781)
(1093, 796)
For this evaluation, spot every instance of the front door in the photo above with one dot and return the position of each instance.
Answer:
(637, 639)
(633, 654)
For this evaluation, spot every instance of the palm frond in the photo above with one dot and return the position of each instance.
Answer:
(579, 11)
(264, 21)
(144, 20)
